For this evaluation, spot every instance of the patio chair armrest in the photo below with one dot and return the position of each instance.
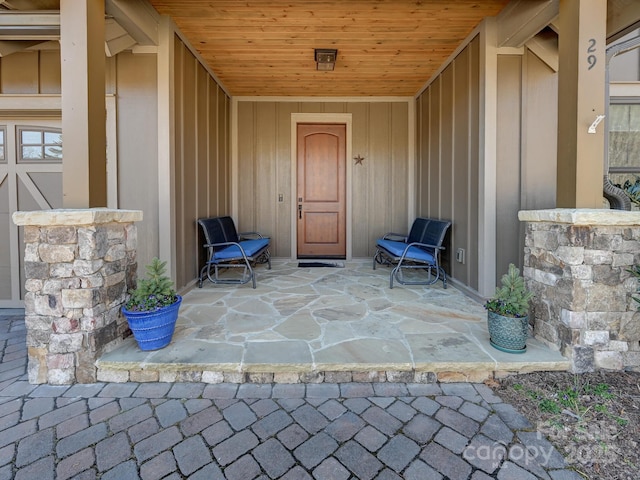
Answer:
(243, 235)
(418, 244)
(223, 244)
(395, 236)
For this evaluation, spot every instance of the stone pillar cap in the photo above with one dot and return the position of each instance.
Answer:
(581, 216)
(80, 216)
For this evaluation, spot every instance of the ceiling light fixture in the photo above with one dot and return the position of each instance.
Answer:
(325, 59)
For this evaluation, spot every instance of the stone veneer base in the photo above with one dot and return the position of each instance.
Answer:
(576, 262)
(79, 265)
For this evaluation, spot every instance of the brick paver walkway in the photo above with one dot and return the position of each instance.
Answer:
(228, 431)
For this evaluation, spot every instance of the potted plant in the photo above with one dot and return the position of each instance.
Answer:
(152, 308)
(508, 313)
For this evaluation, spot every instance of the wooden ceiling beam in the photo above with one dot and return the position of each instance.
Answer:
(521, 20)
(29, 25)
(137, 18)
(623, 16)
(7, 47)
(116, 38)
(545, 47)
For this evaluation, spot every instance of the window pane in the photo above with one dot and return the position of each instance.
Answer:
(40, 145)
(32, 153)
(52, 138)
(624, 136)
(634, 118)
(618, 118)
(31, 137)
(53, 152)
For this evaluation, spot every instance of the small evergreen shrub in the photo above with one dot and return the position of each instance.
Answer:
(154, 292)
(512, 298)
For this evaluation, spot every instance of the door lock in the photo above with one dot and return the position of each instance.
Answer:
(300, 211)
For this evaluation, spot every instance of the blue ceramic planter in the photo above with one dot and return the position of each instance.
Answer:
(153, 330)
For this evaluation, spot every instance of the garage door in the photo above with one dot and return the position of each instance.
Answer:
(30, 179)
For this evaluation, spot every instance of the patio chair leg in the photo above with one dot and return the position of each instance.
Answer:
(394, 272)
(201, 277)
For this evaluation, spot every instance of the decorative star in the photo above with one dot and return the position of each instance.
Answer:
(358, 160)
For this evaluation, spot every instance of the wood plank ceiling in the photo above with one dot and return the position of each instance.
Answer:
(385, 47)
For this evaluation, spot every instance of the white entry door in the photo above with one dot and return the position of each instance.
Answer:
(30, 179)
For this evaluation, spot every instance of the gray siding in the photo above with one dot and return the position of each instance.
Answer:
(201, 145)
(448, 159)
(447, 115)
(137, 130)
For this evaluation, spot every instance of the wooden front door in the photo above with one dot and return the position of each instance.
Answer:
(321, 191)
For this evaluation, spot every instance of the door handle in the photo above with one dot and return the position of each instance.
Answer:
(300, 211)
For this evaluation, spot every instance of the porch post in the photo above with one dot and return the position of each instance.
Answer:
(84, 170)
(581, 94)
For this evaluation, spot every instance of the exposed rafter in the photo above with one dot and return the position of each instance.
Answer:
(29, 25)
(545, 47)
(7, 47)
(137, 17)
(128, 24)
(623, 16)
(521, 20)
(116, 38)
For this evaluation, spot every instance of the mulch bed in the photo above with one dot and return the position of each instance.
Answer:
(593, 419)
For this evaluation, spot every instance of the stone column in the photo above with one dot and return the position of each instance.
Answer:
(576, 261)
(78, 267)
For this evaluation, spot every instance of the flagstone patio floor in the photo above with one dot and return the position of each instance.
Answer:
(325, 324)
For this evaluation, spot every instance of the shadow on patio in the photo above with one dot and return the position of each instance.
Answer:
(325, 324)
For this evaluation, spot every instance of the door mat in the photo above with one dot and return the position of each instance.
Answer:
(321, 264)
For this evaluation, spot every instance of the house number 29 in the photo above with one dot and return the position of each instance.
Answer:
(591, 58)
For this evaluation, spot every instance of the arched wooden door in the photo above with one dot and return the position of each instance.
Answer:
(321, 191)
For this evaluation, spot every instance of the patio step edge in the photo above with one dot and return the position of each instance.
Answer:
(216, 373)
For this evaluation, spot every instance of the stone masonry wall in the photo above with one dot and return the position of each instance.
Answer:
(576, 262)
(78, 266)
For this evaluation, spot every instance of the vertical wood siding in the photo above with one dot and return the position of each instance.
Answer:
(447, 115)
(379, 185)
(201, 170)
(30, 72)
(508, 167)
(135, 80)
(448, 159)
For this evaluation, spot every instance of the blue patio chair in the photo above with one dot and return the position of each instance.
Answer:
(418, 250)
(226, 248)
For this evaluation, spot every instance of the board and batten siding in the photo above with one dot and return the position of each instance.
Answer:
(36, 72)
(447, 159)
(134, 80)
(130, 82)
(379, 186)
(527, 130)
(201, 168)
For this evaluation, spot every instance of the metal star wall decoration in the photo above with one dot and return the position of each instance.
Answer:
(359, 159)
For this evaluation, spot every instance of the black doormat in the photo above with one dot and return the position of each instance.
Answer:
(321, 264)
